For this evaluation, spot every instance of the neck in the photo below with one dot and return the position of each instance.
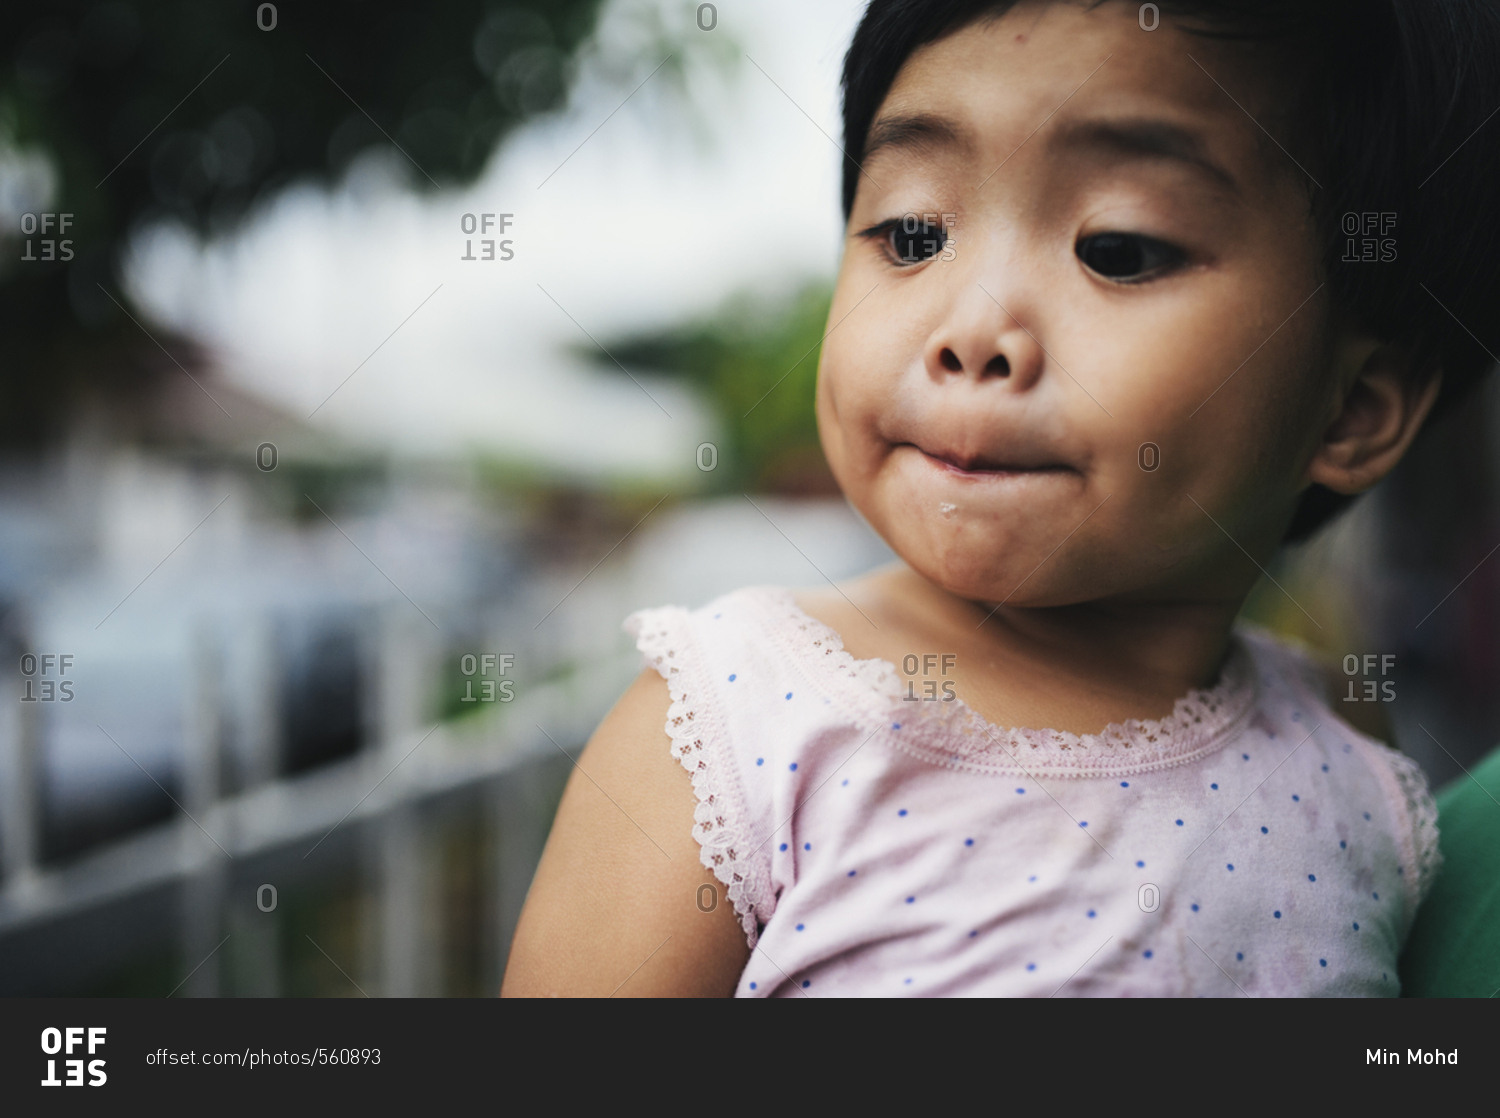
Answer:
(1166, 647)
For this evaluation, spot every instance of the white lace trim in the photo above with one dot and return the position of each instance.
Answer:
(953, 734)
(697, 734)
(1421, 857)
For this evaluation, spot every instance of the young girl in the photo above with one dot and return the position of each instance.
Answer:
(1097, 348)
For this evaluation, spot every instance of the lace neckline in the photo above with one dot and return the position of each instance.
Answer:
(953, 734)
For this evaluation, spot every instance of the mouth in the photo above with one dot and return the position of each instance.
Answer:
(978, 466)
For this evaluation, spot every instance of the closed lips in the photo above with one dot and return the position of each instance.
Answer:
(979, 463)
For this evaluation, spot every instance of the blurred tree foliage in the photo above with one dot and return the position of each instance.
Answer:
(757, 362)
(193, 111)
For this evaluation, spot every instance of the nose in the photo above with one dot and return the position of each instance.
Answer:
(980, 340)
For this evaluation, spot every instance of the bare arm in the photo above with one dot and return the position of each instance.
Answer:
(616, 907)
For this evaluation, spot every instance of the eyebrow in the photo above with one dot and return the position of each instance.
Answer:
(912, 132)
(1148, 139)
(1143, 138)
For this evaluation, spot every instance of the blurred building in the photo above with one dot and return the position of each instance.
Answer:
(320, 706)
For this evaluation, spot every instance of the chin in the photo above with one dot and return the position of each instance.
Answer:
(977, 570)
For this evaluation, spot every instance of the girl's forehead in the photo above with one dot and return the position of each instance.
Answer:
(991, 86)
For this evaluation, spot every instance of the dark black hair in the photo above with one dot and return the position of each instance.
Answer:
(1394, 106)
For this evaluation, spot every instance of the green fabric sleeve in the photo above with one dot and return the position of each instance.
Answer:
(1454, 948)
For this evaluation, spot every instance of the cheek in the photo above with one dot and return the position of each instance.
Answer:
(1215, 435)
(852, 395)
(845, 413)
(830, 434)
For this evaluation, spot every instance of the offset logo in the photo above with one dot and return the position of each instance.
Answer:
(491, 668)
(926, 665)
(484, 223)
(42, 677)
(1364, 668)
(53, 245)
(66, 1042)
(1368, 237)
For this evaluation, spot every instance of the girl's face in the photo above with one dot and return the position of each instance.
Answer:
(1110, 380)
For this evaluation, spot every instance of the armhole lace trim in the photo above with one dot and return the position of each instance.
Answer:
(698, 743)
(1422, 858)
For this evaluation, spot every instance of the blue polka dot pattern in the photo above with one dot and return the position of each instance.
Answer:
(954, 820)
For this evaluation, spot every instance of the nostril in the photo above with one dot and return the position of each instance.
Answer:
(998, 366)
(949, 360)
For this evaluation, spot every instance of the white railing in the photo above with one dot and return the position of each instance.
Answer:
(515, 754)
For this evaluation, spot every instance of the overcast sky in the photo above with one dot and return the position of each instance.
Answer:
(670, 205)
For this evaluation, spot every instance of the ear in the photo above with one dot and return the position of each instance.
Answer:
(1380, 405)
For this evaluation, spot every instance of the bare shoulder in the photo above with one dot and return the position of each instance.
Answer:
(615, 904)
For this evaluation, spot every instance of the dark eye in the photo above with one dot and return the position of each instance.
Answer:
(1126, 257)
(910, 239)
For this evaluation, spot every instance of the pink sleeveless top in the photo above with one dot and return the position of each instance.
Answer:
(877, 837)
